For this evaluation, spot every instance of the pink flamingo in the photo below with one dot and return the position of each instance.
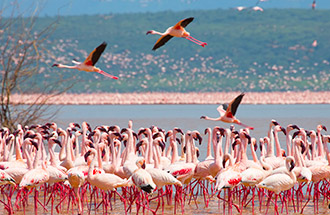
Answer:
(104, 181)
(227, 112)
(184, 171)
(37, 176)
(280, 182)
(160, 177)
(177, 30)
(216, 166)
(141, 178)
(88, 64)
(278, 160)
(228, 178)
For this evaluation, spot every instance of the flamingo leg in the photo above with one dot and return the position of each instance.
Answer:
(196, 41)
(107, 75)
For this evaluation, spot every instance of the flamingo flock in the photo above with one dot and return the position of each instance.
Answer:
(82, 169)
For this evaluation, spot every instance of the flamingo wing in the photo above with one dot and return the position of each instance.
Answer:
(183, 23)
(94, 56)
(233, 105)
(222, 109)
(161, 41)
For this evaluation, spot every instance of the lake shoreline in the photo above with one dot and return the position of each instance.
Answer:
(305, 97)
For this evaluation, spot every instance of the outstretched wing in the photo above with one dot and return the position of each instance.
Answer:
(183, 23)
(161, 41)
(233, 105)
(222, 109)
(94, 56)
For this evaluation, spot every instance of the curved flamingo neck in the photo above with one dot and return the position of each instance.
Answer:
(265, 165)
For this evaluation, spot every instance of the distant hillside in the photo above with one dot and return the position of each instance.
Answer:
(246, 51)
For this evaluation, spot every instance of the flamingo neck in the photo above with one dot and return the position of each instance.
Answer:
(320, 146)
(51, 154)
(67, 66)
(175, 155)
(288, 143)
(92, 165)
(18, 144)
(156, 32)
(277, 144)
(209, 142)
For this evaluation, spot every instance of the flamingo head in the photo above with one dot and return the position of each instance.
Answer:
(55, 65)
(320, 127)
(150, 32)
(179, 130)
(35, 144)
(141, 163)
(293, 127)
(295, 134)
(283, 130)
(58, 142)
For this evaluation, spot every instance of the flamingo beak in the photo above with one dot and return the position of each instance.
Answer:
(86, 155)
(55, 65)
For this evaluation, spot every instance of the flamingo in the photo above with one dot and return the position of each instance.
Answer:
(177, 30)
(36, 176)
(257, 8)
(314, 4)
(227, 112)
(104, 181)
(88, 64)
(280, 182)
(142, 178)
(184, 171)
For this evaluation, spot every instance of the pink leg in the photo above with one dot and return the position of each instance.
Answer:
(196, 41)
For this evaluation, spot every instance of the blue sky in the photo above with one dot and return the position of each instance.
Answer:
(78, 7)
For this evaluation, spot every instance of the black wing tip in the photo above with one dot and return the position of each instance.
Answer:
(148, 188)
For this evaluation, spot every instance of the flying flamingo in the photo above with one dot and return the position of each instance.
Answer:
(88, 64)
(175, 31)
(227, 112)
(314, 4)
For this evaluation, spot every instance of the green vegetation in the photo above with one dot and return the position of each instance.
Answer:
(246, 51)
